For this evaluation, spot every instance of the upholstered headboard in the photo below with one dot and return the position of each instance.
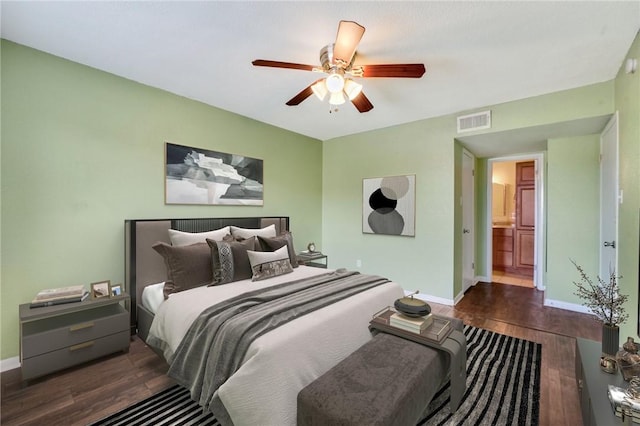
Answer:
(143, 266)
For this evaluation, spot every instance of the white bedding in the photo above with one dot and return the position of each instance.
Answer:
(282, 362)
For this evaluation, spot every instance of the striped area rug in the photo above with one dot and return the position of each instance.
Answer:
(503, 388)
(503, 383)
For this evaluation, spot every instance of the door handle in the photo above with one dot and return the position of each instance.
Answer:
(611, 244)
(465, 231)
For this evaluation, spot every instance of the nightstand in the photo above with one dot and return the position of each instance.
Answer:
(315, 259)
(56, 337)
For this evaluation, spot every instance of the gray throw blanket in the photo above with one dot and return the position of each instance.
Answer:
(216, 343)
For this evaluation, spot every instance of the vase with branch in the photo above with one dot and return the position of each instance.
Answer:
(607, 303)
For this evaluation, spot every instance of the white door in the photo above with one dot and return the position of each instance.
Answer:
(609, 198)
(468, 217)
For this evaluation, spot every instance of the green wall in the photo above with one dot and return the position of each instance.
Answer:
(422, 148)
(573, 213)
(431, 261)
(627, 102)
(83, 150)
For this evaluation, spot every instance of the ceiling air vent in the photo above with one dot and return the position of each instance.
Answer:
(475, 121)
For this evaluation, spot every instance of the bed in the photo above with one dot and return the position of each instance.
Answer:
(262, 387)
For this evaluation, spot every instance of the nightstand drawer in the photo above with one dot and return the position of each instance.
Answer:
(67, 357)
(41, 337)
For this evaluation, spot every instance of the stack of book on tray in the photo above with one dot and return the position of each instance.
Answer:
(413, 324)
(57, 296)
(618, 396)
(431, 327)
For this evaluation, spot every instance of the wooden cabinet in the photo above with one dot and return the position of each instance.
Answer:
(524, 250)
(502, 248)
(526, 173)
(524, 244)
(56, 337)
(526, 207)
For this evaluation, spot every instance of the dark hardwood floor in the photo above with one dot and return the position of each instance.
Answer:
(90, 392)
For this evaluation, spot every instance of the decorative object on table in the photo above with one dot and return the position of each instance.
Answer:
(116, 290)
(201, 176)
(628, 360)
(625, 403)
(412, 307)
(100, 289)
(57, 296)
(311, 247)
(608, 364)
(388, 205)
(607, 303)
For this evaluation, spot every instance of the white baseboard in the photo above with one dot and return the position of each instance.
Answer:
(9, 364)
(567, 306)
(483, 279)
(429, 298)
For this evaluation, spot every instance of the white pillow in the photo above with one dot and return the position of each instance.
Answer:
(179, 238)
(267, 264)
(268, 232)
(153, 296)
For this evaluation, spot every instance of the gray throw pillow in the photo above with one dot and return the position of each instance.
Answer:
(187, 266)
(273, 244)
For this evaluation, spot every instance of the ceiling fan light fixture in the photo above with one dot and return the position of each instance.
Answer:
(335, 83)
(352, 89)
(320, 89)
(337, 98)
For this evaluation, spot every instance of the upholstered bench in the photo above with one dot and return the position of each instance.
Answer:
(388, 381)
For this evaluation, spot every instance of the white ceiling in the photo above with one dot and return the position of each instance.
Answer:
(476, 53)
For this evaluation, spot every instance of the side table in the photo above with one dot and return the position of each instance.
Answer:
(593, 383)
(56, 337)
(315, 259)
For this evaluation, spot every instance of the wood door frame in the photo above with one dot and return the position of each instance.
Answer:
(540, 251)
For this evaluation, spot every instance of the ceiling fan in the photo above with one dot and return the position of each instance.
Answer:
(337, 61)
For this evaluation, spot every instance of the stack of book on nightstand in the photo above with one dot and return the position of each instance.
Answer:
(57, 296)
(413, 324)
(617, 396)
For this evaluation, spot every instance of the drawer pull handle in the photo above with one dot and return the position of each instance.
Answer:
(81, 346)
(81, 326)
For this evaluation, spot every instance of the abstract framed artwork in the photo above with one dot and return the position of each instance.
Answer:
(201, 176)
(389, 205)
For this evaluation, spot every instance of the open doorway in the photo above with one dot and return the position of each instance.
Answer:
(514, 201)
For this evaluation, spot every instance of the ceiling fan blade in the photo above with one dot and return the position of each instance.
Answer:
(349, 36)
(362, 103)
(393, 70)
(306, 92)
(277, 64)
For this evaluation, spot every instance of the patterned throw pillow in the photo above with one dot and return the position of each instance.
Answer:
(269, 264)
(229, 260)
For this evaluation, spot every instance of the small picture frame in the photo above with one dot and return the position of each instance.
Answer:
(116, 290)
(100, 289)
